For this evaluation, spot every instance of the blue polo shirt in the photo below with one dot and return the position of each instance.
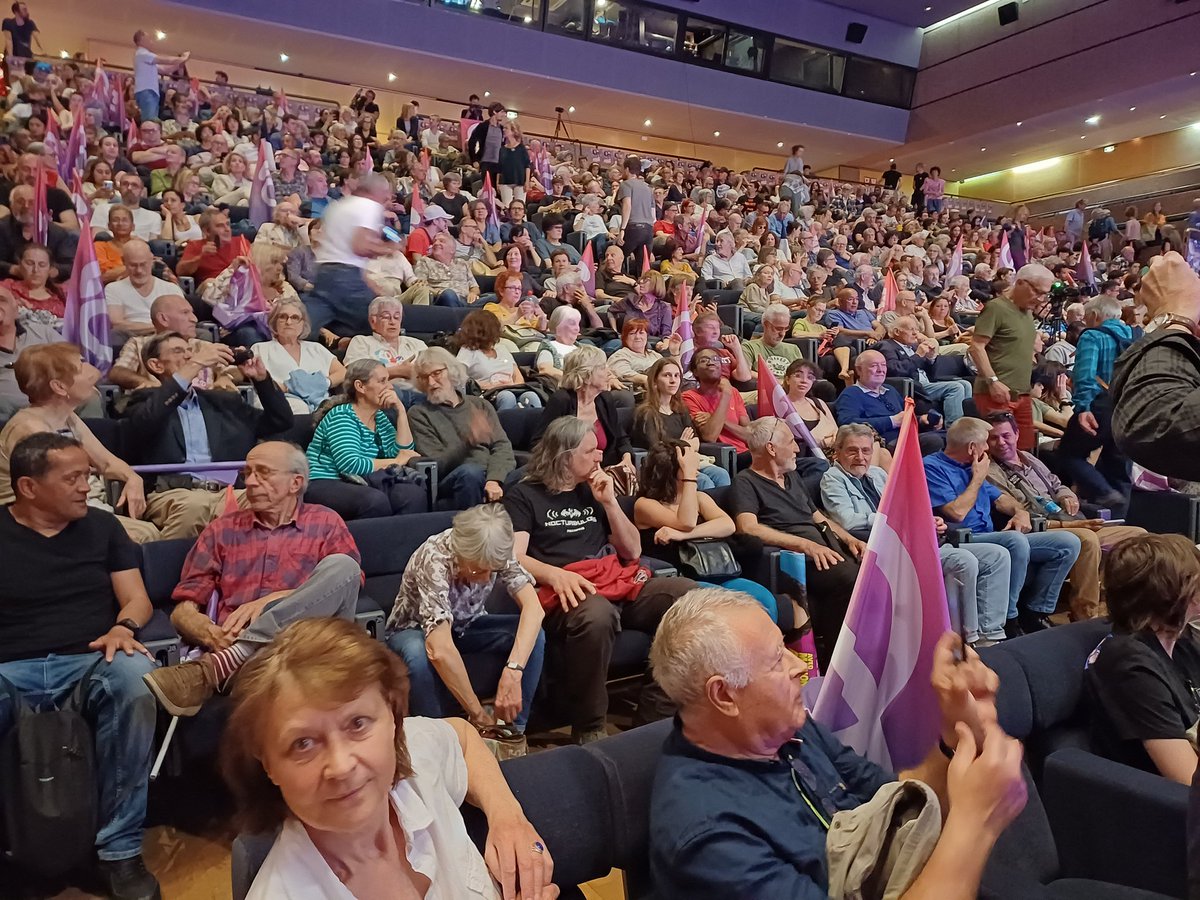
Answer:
(738, 829)
(859, 320)
(948, 479)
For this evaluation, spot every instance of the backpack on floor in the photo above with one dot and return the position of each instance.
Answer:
(48, 792)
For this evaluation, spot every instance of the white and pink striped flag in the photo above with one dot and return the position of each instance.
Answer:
(773, 401)
(955, 266)
(488, 196)
(587, 269)
(75, 159)
(41, 210)
(876, 696)
(891, 291)
(262, 189)
(1004, 258)
(82, 207)
(281, 104)
(1084, 271)
(682, 327)
(54, 146)
(86, 320)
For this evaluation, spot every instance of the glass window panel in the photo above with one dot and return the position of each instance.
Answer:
(565, 15)
(806, 66)
(624, 23)
(878, 82)
(704, 41)
(745, 52)
(522, 12)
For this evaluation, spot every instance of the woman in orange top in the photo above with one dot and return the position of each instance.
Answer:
(109, 253)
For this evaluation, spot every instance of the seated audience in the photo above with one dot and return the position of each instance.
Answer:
(15, 337)
(909, 355)
(853, 323)
(962, 495)
(440, 615)
(770, 345)
(730, 814)
(491, 365)
(1139, 680)
(130, 298)
(387, 344)
(880, 405)
(34, 284)
(565, 325)
(449, 278)
(170, 312)
(177, 226)
(110, 253)
(71, 607)
(707, 334)
(726, 266)
(304, 370)
(463, 434)
(1023, 477)
(662, 416)
(769, 502)
(630, 363)
(552, 240)
(716, 408)
(231, 185)
(179, 423)
(272, 563)
(584, 393)
(798, 381)
(646, 302)
(358, 459)
(202, 260)
(319, 675)
(976, 575)
(611, 281)
(565, 514)
(1051, 395)
(146, 222)
(671, 508)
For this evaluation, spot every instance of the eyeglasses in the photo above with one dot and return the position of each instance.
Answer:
(389, 316)
(290, 317)
(259, 472)
(997, 417)
(432, 372)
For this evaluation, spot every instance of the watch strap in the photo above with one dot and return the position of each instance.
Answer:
(131, 625)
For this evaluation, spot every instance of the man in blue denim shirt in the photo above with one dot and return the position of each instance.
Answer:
(748, 782)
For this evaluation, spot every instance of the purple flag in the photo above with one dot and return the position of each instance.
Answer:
(86, 320)
(876, 696)
(262, 189)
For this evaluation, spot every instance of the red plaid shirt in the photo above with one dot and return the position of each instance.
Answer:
(242, 559)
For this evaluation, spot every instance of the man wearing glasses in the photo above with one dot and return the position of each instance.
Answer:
(1002, 348)
(260, 569)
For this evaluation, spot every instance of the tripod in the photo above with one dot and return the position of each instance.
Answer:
(560, 127)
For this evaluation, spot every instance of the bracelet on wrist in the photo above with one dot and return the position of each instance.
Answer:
(689, 480)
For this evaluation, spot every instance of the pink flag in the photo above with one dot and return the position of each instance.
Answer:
(75, 158)
(1005, 258)
(956, 264)
(262, 190)
(131, 135)
(773, 401)
(588, 263)
(488, 196)
(645, 258)
(41, 212)
(82, 208)
(54, 147)
(281, 104)
(108, 96)
(418, 205)
(891, 290)
(1084, 270)
(465, 127)
(245, 300)
(682, 327)
(876, 696)
(86, 320)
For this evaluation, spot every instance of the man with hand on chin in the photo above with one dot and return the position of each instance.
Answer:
(748, 782)
(565, 514)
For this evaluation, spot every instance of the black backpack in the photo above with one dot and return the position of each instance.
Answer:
(48, 792)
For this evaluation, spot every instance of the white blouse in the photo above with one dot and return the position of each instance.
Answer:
(280, 364)
(436, 840)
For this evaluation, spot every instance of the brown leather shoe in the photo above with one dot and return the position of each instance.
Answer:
(181, 690)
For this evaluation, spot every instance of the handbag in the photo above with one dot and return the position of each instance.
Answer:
(706, 558)
(625, 483)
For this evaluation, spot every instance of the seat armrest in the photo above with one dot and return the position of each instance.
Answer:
(1085, 795)
(430, 468)
(658, 568)
(725, 455)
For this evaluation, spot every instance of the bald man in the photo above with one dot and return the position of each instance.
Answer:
(58, 201)
(16, 231)
(871, 402)
(129, 299)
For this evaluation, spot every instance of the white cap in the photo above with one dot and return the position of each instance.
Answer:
(433, 212)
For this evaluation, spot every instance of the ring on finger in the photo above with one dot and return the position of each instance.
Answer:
(538, 847)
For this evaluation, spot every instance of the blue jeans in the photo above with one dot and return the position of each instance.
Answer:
(1040, 563)
(710, 477)
(935, 206)
(147, 104)
(121, 711)
(489, 637)
(977, 578)
(461, 487)
(947, 394)
(448, 298)
(754, 589)
(511, 400)
(339, 300)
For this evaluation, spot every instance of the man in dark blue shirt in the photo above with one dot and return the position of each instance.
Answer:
(748, 782)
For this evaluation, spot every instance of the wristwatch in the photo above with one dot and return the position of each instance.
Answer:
(516, 667)
(131, 625)
(994, 379)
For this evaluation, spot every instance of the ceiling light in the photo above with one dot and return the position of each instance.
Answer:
(780, 144)
(600, 4)
(1036, 166)
(1109, 149)
(1083, 137)
(1019, 124)
(647, 123)
(283, 57)
(512, 113)
(1132, 108)
(982, 149)
(1092, 120)
(391, 76)
(644, 137)
(716, 134)
(1196, 125)
(528, 19)
(64, 54)
(162, 35)
(892, 160)
(928, 9)
(1191, 73)
(570, 109)
(487, 94)
(1162, 117)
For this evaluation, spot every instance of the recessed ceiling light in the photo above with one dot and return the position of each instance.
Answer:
(1083, 137)
(391, 76)
(283, 57)
(1132, 108)
(528, 19)
(487, 94)
(570, 109)
(1019, 124)
(512, 113)
(1109, 149)
(892, 160)
(1092, 120)
(647, 123)
(160, 35)
(1162, 117)
(64, 54)
(982, 149)
(716, 134)
(780, 144)
(928, 9)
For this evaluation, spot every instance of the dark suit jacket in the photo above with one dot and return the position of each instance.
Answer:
(900, 364)
(477, 140)
(62, 244)
(565, 403)
(154, 433)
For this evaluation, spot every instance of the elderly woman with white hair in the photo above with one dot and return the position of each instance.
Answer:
(388, 344)
(304, 370)
(441, 614)
(565, 325)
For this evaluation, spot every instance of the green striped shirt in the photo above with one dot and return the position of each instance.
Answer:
(342, 445)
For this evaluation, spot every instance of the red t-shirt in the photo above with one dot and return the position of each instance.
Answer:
(698, 402)
(210, 265)
(418, 244)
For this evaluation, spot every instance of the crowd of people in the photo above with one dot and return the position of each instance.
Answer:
(277, 428)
